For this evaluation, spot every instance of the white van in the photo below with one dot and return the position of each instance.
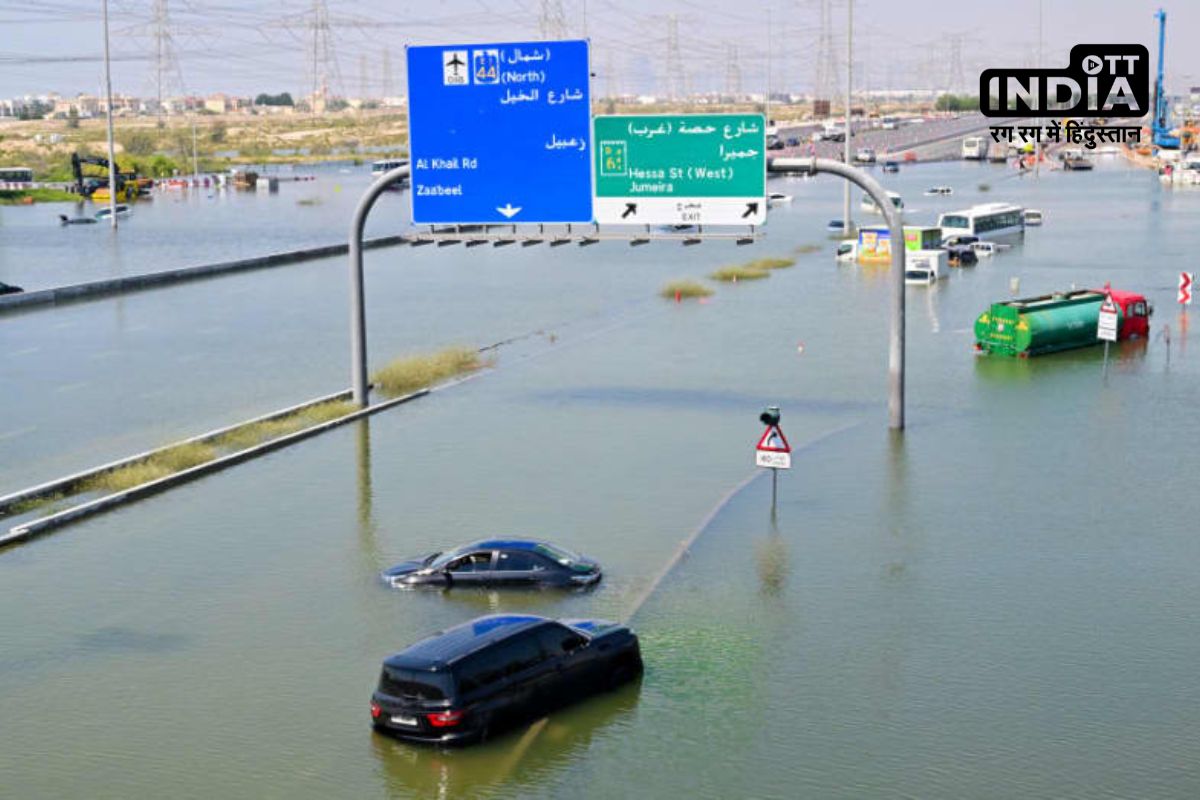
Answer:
(925, 267)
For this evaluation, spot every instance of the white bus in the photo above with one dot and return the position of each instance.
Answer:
(867, 204)
(974, 148)
(387, 165)
(987, 221)
(16, 175)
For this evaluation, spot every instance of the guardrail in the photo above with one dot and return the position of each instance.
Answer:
(94, 290)
(37, 527)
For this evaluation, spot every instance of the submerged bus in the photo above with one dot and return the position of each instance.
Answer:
(987, 221)
(974, 148)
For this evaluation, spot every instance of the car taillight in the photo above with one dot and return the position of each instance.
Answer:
(445, 719)
(376, 711)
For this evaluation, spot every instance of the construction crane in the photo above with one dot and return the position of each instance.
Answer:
(1163, 136)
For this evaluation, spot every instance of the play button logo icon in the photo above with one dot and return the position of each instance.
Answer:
(1093, 64)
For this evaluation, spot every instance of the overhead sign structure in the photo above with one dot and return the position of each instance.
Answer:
(773, 449)
(1106, 328)
(681, 169)
(500, 133)
(1185, 288)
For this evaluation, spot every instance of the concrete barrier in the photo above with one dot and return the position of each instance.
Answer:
(93, 290)
(37, 527)
(69, 482)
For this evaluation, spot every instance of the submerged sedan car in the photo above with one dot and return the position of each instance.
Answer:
(497, 562)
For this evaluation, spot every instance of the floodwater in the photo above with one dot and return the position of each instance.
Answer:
(175, 228)
(1001, 603)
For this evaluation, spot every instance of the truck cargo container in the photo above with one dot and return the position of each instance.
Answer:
(1060, 321)
(875, 246)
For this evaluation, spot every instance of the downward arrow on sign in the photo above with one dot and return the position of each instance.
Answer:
(508, 210)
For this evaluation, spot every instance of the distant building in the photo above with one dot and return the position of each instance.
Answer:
(218, 103)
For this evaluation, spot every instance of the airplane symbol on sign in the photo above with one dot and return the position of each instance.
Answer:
(455, 62)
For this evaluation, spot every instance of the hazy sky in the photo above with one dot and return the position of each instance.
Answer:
(251, 46)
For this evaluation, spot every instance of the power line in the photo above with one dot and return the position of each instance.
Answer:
(552, 23)
(675, 75)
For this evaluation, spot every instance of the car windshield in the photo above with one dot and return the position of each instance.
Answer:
(439, 560)
(429, 559)
(564, 557)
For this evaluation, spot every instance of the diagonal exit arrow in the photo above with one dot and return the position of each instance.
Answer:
(630, 210)
(751, 208)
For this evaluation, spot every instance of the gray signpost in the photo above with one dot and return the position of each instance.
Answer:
(896, 230)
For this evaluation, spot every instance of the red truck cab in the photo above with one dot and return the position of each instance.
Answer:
(1135, 314)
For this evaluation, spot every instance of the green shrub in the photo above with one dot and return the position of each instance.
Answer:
(739, 273)
(684, 288)
(406, 375)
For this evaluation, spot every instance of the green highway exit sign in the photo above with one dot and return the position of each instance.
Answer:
(680, 169)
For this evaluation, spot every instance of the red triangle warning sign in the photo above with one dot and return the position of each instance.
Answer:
(773, 441)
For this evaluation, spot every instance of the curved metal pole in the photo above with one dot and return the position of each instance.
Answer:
(112, 158)
(896, 229)
(358, 313)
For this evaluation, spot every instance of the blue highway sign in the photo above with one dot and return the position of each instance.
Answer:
(500, 133)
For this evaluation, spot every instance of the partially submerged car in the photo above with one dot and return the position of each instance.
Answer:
(487, 675)
(497, 562)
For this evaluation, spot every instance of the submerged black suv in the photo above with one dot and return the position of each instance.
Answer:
(498, 671)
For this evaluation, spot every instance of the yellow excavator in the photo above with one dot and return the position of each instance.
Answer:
(129, 184)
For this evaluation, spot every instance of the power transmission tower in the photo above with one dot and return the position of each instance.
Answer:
(362, 77)
(675, 76)
(954, 74)
(552, 23)
(387, 72)
(826, 72)
(165, 62)
(733, 73)
(324, 67)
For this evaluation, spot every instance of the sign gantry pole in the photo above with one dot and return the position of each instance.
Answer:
(896, 233)
(358, 311)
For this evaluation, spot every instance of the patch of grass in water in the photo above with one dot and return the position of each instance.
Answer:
(160, 465)
(685, 289)
(985, 187)
(309, 201)
(408, 374)
(807, 249)
(771, 263)
(251, 434)
(20, 197)
(739, 273)
(50, 502)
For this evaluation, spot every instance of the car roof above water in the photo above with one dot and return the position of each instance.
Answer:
(443, 649)
(501, 544)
